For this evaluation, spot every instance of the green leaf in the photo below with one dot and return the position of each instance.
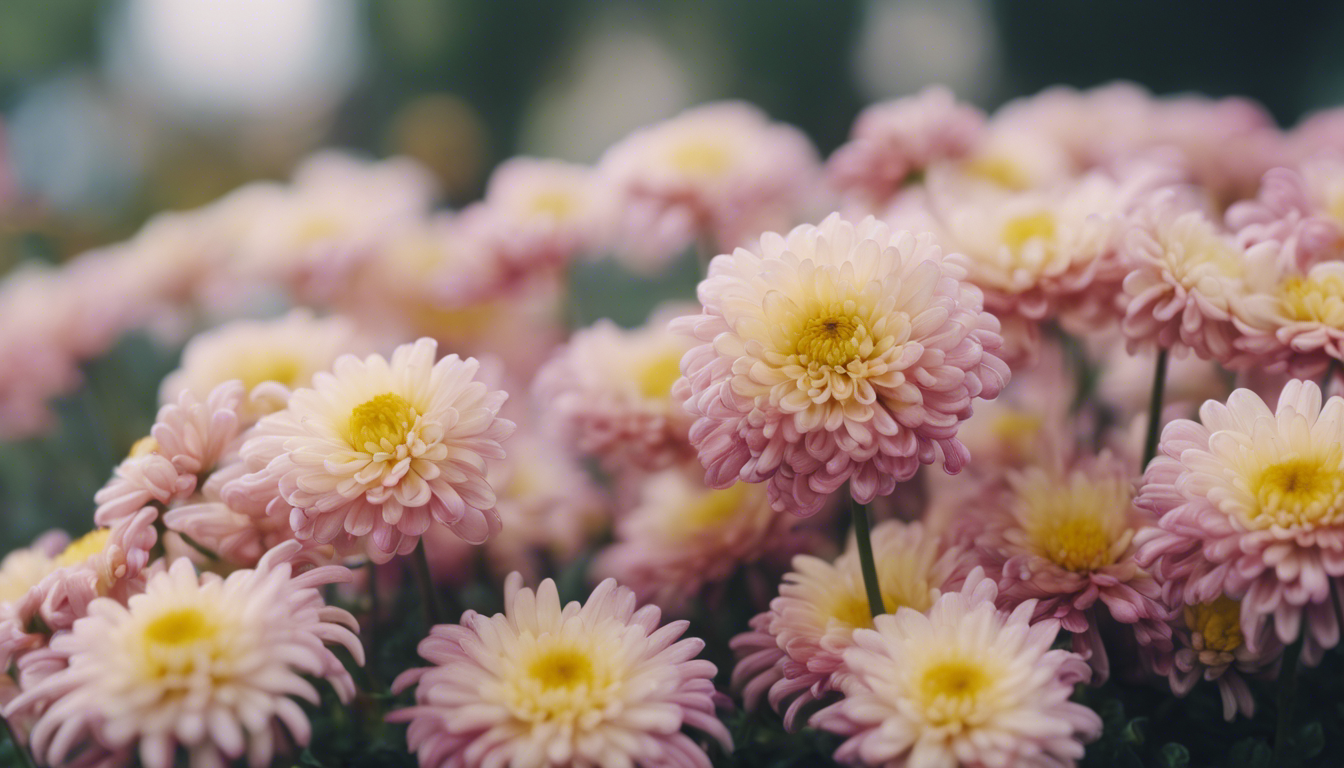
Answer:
(1175, 756)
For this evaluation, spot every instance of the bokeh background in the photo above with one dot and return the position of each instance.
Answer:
(112, 111)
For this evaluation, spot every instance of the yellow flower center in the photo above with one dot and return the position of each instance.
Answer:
(903, 582)
(657, 375)
(998, 169)
(1020, 230)
(1216, 625)
(1302, 491)
(1202, 253)
(86, 546)
(562, 668)
(552, 203)
(949, 690)
(713, 509)
(317, 228)
(1079, 524)
(383, 421)
(179, 627)
(831, 339)
(700, 158)
(1314, 300)
(280, 368)
(851, 609)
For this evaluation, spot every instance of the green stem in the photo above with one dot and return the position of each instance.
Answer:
(18, 746)
(434, 614)
(863, 536)
(1284, 755)
(1155, 408)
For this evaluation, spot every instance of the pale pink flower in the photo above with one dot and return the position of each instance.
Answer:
(1063, 538)
(208, 663)
(270, 357)
(681, 536)
(838, 353)
(583, 685)
(1302, 208)
(896, 139)
(721, 172)
(1250, 506)
(793, 654)
(1294, 320)
(382, 449)
(964, 684)
(1209, 646)
(609, 393)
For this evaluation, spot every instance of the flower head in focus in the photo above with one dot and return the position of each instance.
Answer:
(382, 449)
(838, 353)
(551, 685)
(211, 664)
(964, 684)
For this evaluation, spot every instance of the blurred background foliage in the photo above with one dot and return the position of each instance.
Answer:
(112, 111)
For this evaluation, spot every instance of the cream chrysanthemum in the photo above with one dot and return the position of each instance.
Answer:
(382, 449)
(1251, 506)
(722, 171)
(552, 686)
(792, 655)
(965, 684)
(1294, 321)
(211, 664)
(270, 357)
(681, 536)
(609, 392)
(838, 353)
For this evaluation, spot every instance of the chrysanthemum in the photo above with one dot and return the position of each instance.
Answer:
(382, 449)
(1063, 539)
(965, 684)
(237, 520)
(1251, 507)
(538, 214)
(1210, 647)
(792, 655)
(270, 358)
(1303, 209)
(583, 685)
(1186, 277)
(213, 665)
(609, 392)
(838, 353)
(720, 171)
(895, 139)
(681, 536)
(1294, 320)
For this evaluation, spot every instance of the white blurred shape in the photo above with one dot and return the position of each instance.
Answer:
(620, 78)
(72, 147)
(905, 45)
(235, 58)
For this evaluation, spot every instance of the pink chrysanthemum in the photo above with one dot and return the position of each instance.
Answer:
(1294, 321)
(965, 684)
(582, 685)
(1302, 209)
(722, 172)
(1186, 278)
(681, 536)
(381, 449)
(1063, 539)
(1210, 646)
(609, 392)
(211, 664)
(838, 353)
(895, 139)
(1251, 506)
(792, 655)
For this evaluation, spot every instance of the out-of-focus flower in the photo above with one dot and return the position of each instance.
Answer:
(1250, 506)
(551, 685)
(211, 664)
(681, 536)
(1302, 209)
(270, 358)
(896, 139)
(1210, 647)
(1185, 281)
(1062, 538)
(838, 353)
(381, 449)
(609, 393)
(1293, 321)
(792, 655)
(539, 214)
(963, 685)
(720, 172)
